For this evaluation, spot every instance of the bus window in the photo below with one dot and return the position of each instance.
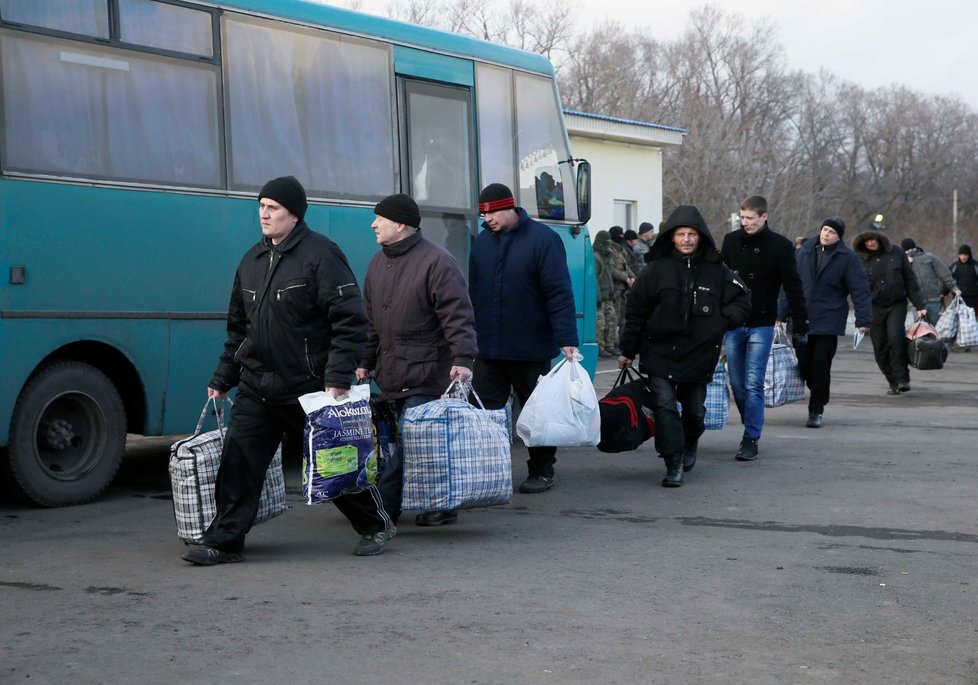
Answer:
(168, 27)
(134, 116)
(323, 104)
(497, 148)
(85, 17)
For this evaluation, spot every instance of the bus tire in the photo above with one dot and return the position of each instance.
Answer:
(67, 435)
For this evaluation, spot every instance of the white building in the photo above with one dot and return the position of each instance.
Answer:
(626, 167)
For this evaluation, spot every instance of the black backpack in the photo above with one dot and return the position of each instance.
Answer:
(624, 423)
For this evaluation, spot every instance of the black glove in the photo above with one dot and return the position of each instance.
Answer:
(799, 340)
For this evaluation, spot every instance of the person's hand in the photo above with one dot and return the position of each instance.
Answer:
(460, 374)
(864, 329)
(922, 313)
(630, 281)
(363, 374)
(337, 393)
(569, 352)
(799, 340)
(957, 292)
(213, 394)
(624, 362)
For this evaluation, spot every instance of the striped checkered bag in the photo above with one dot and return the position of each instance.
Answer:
(717, 401)
(782, 381)
(456, 455)
(194, 462)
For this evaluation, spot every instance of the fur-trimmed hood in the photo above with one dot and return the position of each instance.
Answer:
(859, 243)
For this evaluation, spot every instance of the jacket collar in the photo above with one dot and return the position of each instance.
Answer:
(401, 247)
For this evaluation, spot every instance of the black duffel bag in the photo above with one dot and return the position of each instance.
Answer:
(625, 424)
(927, 353)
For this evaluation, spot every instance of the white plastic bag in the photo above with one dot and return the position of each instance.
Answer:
(563, 409)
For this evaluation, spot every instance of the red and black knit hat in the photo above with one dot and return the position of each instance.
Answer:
(495, 197)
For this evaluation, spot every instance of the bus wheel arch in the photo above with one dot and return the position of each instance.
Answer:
(67, 434)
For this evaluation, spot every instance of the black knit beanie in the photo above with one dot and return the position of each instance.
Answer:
(631, 235)
(836, 224)
(288, 192)
(617, 234)
(907, 244)
(399, 208)
(965, 249)
(495, 197)
(645, 227)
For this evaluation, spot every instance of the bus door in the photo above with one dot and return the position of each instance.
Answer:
(438, 161)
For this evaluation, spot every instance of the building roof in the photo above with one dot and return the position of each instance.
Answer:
(605, 127)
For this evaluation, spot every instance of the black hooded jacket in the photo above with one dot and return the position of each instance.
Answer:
(891, 278)
(680, 307)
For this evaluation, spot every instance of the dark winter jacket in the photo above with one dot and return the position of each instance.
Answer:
(826, 289)
(890, 276)
(966, 276)
(521, 291)
(602, 272)
(766, 263)
(932, 275)
(680, 307)
(296, 321)
(421, 319)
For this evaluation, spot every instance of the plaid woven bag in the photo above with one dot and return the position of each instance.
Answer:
(194, 462)
(782, 381)
(456, 455)
(717, 399)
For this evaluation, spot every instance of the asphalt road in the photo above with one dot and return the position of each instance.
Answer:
(847, 554)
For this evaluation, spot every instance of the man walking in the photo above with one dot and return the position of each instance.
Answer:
(524, 311)
(765, 261)
(933, 277)
(891, 282)
(830, 274)
(682, 303)
(296, 324)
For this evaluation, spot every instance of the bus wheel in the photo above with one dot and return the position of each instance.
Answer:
(67, 436)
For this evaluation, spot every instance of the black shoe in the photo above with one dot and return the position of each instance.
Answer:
(202, 555)
(606, 354)
(436, 518)
(615, 351)
(893, 390)
(814, 420)
(674, 472)
(372, 545)
(536, 484)
(904, 386)
(747, 451)
(689, 460)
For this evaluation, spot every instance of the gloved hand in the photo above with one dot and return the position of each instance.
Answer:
(799, 340)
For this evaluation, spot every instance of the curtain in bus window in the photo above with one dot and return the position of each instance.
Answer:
(546, 181)
(158, 25)
(496, 144)
(88, 17)
(315, 107)
(439, 130)
(75, 111)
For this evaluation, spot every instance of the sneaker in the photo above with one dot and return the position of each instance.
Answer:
(436, 518)
(202, 555)
(747, 451)
(814, 420)
(536, 484)
(904, 386)
(372, 545)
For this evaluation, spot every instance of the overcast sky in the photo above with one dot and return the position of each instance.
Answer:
(930, 46)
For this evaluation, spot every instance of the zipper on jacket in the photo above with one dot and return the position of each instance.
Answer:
(253, 293)
(278, 293)
(305, 345)
(339, 288)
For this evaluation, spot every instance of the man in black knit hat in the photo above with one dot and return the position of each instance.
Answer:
(296, 324)
(524, 311)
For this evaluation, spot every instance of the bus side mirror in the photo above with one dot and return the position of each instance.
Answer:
(583, 191)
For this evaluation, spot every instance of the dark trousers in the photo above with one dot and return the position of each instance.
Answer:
(672, 432)
(391, 481)
(494, 379)
(815, 366)
(251, 440)
(890, 343)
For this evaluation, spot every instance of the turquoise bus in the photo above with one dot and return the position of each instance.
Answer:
(134, 135)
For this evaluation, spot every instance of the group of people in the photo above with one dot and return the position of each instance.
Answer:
(298, 323)
(691, 301)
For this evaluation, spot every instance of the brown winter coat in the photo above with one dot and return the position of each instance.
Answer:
(421, 318)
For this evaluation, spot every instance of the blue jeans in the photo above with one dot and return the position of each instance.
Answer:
(748, 350)
(933, 312)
